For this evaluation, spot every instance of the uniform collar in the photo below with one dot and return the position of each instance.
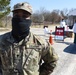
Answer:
(12, 40)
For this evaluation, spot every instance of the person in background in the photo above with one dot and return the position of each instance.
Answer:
(47, 31)
(62, 23)
(74, 30)
(21, 51)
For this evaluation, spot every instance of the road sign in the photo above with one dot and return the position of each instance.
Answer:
(59, 33)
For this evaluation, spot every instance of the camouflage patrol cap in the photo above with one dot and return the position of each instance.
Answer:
(23, 6)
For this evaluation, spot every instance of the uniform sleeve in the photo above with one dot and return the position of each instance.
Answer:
(0, 67)
(0, 57)
(49, 58)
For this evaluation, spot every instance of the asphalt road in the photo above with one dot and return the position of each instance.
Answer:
(66, 51)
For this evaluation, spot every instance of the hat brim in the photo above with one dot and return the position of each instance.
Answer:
(22, 9)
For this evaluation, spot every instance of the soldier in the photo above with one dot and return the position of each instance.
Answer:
(23, 53)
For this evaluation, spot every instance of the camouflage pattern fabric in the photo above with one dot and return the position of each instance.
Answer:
(23, 6)
(31, 56)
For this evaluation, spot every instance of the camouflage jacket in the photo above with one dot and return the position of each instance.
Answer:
(31, 56)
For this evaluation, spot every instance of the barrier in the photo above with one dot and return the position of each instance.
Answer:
(51, 40)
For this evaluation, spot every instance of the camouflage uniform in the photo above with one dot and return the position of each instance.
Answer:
(25, 57)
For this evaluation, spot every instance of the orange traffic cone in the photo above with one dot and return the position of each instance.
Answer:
(51, 40)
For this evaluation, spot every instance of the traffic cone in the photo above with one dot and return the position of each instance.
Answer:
(51, 40)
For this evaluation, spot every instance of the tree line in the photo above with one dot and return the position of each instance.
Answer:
(40, 16)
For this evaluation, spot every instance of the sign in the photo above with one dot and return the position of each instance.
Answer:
(59, 33)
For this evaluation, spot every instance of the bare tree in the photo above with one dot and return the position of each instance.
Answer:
(64, 13)
(54, 16)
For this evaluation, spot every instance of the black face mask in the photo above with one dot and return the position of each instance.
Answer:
(20, 28)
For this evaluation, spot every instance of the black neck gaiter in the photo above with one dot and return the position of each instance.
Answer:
(20, 28)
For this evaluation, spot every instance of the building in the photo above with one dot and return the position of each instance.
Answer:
(71, 18)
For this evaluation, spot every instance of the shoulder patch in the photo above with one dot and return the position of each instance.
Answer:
(41, 40)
